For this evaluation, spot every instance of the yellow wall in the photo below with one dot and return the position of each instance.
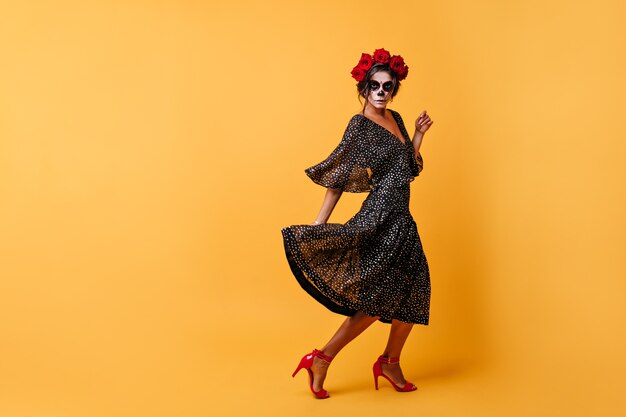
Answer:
(150, 153)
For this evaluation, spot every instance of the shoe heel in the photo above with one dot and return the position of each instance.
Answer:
(376, 369)
(306, 363)
(301, 365)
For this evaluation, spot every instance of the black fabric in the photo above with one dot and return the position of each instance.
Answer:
(375, 262)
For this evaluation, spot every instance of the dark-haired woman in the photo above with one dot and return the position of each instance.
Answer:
(372, 267)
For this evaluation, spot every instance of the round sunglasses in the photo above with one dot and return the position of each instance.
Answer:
(375, 85)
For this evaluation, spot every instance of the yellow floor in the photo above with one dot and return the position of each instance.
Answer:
(245, 370)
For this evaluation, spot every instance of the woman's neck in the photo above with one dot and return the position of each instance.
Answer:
(373, 111)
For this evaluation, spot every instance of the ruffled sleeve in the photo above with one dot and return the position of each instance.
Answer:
(345, 168)
(416, 162)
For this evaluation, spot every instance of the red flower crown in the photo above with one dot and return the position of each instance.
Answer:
(396, 63)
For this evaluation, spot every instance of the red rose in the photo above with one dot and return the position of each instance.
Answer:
(396, 63)
(403, 73)
(358, 73)
(381, 56)
(365, 62)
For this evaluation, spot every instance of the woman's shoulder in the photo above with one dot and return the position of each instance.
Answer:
(395, 113)
(396, 116)
(356, 121)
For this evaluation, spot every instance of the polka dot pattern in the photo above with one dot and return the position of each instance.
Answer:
(375, 262)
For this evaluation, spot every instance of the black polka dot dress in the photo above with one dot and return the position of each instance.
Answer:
(373, 263)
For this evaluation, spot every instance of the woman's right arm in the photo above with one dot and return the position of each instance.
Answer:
(330, 200)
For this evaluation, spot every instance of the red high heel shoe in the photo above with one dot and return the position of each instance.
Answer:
(378, 371)
(306, 362)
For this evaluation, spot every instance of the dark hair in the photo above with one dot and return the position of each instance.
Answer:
(363, 86)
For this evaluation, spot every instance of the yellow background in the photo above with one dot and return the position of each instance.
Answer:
(150, 153)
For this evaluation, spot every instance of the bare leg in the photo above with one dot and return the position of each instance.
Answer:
(397, 336)
(349, 329)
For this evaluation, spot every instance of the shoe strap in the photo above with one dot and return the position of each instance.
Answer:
(320, 355)
(389, 361)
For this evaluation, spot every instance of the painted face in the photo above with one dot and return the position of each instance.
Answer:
(380, 89)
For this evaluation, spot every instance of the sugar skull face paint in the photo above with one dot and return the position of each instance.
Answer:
(375, 85)
(380, 87)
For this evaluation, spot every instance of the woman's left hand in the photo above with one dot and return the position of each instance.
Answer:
(423, 122)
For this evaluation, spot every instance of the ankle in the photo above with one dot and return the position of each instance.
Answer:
(323, 356)
(389, 360)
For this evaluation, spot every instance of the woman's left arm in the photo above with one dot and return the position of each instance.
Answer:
(417, 141)
(422, 124)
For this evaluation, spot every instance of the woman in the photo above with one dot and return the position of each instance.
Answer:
(372, 267)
